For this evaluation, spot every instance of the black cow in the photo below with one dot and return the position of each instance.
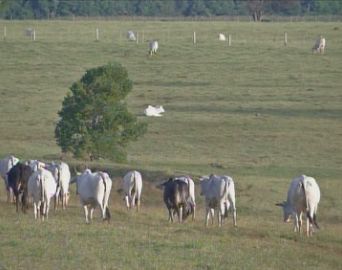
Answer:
(17, 180)
(177, 199)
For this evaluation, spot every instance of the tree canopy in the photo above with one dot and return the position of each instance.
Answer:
(94, 119)
(40, 9)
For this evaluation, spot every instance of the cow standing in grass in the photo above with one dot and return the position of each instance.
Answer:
(41, 187)
(132, 186)
(153, 47)
(18, 177)
(5, 165)
(191, 185)
(61, 172)
(303, 196)
(94, 190)
(177, 199)
(319, 46)
(219, 193)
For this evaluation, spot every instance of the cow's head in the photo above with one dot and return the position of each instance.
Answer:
(287, 210)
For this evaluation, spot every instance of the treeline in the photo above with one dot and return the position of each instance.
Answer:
(44, 9)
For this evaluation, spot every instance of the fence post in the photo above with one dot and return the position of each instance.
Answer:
(34, 35)
(143, 36)
(229, 40)
(5, 32)
(194, 38)
(137, 37)
(285, 39)
(97, 34)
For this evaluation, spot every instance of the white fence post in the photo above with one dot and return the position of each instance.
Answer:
(137, 37)
(5, 32)
(97, 34)
(285, 38)
(34, 35)
(229, 40)
(194, 38)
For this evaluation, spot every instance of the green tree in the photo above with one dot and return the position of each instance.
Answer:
(94, 119)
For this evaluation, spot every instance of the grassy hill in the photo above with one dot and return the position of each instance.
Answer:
(259, 111)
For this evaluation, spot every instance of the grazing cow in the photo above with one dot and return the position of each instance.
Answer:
(131, 36)
(319, 45)
(153, 47)
(191, 184)
(219, 192)
(41, 187)
(18, 177)
(221, 37)
(5, 165)
(302, 197)
(177, 199)
(154, 111)
(94, 190)
(132, 186)
(61, 172)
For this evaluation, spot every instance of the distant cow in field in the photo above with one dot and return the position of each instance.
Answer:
(222, 37)
(154, 111)
(94, 190)
(5, 165)
(18, 177)
(177, 199)
(219, 193)
(319, 46)
(61, 173)
(132, 186)
(153, 47)
(41, 187)
(303, 196)
(131, 36)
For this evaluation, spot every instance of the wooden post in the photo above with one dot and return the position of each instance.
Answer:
(5, 32)
(143, 37)
(229, 40)
(34, 35)
(137, 37)
(194, 38)
(97, 34)
(285, 39)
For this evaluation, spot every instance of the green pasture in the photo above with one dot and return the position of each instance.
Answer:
(257, 110)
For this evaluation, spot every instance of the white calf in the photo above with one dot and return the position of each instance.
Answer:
(153, 47)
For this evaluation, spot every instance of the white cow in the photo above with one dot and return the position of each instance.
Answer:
(153, 47)
(302, 197)
(154, 111)
(219, 192)
(191, 185)
(222, 37)
(61, 172)
(131, 36)
(41, 187)
(5, 165)
(94, 190)
(319, 45)
(132, 186)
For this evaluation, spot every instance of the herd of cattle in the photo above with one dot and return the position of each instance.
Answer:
(41, 182)
(153, 45)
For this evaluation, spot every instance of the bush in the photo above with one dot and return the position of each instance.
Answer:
(94, 119)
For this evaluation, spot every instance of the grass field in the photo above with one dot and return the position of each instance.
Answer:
(257, 110)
